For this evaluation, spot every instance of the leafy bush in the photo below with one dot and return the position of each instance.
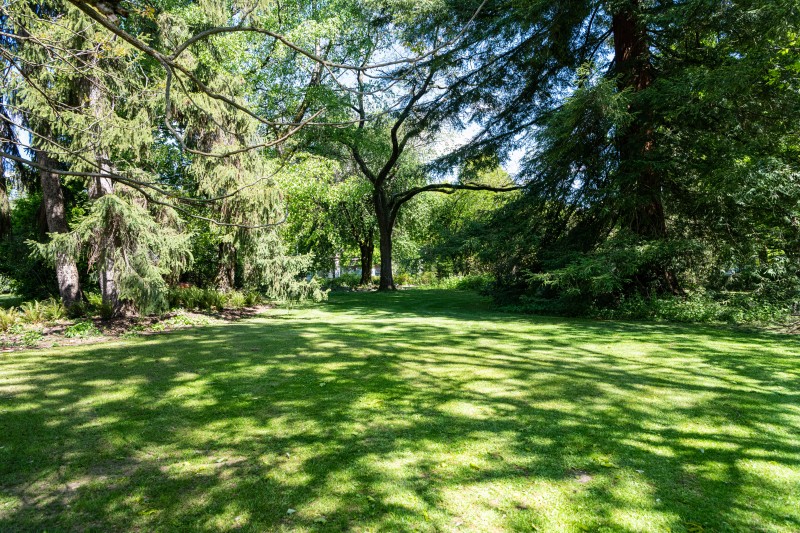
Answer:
(236, 300)
(31, 337)
(6, 284)
(8, 318)
(252, 298)
(32, 312)
(735, 308)
(345, 281)
(402, 278)
(83, 328)
(53, 310)
(472, 282)
(95, 305)
(426, 278)
(197, 298)
(699, 307)
(22, 272)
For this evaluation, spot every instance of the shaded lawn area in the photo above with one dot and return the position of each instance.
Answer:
(420, 410)
(10, 300)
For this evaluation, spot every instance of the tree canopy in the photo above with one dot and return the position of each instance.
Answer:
(650, 147)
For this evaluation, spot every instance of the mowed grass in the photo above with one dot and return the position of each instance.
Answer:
(10, 300)
(414, 411)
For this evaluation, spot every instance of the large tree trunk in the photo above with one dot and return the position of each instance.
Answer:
(66, 270)
(386, 216)
(645, 212)
(632, 58)
(367, 249)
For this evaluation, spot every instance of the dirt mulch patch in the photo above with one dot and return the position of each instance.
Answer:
(52, 335)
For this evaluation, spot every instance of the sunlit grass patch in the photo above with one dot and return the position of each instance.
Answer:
(414, 411)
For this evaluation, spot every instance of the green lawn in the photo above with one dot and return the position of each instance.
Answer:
(10, 300)
(421, 410)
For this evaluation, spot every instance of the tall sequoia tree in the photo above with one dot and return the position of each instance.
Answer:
(650, 126)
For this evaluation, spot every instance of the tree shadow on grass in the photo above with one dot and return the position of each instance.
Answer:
(437, 420)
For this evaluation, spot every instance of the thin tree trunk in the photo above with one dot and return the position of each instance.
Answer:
(367, 253)
(226, 273)
(5, 206)
(385, 215)
(99, 187)
(387, 276)
(53, 196)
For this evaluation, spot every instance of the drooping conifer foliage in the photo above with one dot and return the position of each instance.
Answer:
(651, 146)
(659, 140)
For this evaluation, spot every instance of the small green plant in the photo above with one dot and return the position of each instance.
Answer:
(184, 320)
(197, 298)
(31, 337)
(252, 298)
(236, 300)
(83, 328)
(426, 278)
(8, 318)
(6, 284)
(32, 312)
(53, 310)
(96, 305)
(470, 282)
(133, 332)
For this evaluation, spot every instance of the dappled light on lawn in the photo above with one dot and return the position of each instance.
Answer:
(429, 412)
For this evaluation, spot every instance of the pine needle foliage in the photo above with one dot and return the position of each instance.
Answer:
(148, 247)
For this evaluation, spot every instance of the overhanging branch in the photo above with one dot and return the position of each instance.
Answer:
(449, 188)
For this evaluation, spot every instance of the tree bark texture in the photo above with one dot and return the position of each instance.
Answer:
(367, 249)
(632, 59)
(53, 197)
(5, 206)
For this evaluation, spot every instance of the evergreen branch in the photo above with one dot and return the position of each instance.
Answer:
(449, 188)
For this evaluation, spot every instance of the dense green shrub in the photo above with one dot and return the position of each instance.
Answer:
(8, 318)
(252, 298)
(6, 284)
(197, 298)
(94, 305)
(343, 282)
(32, 312)
(471, 282)
(235, 300)
(698, 307)
(735, 308)
(53, 310)
(425, 278)
(24, 274)
(402, 278)
(36, 312)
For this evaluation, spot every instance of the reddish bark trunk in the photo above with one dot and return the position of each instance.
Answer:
(632, 59)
